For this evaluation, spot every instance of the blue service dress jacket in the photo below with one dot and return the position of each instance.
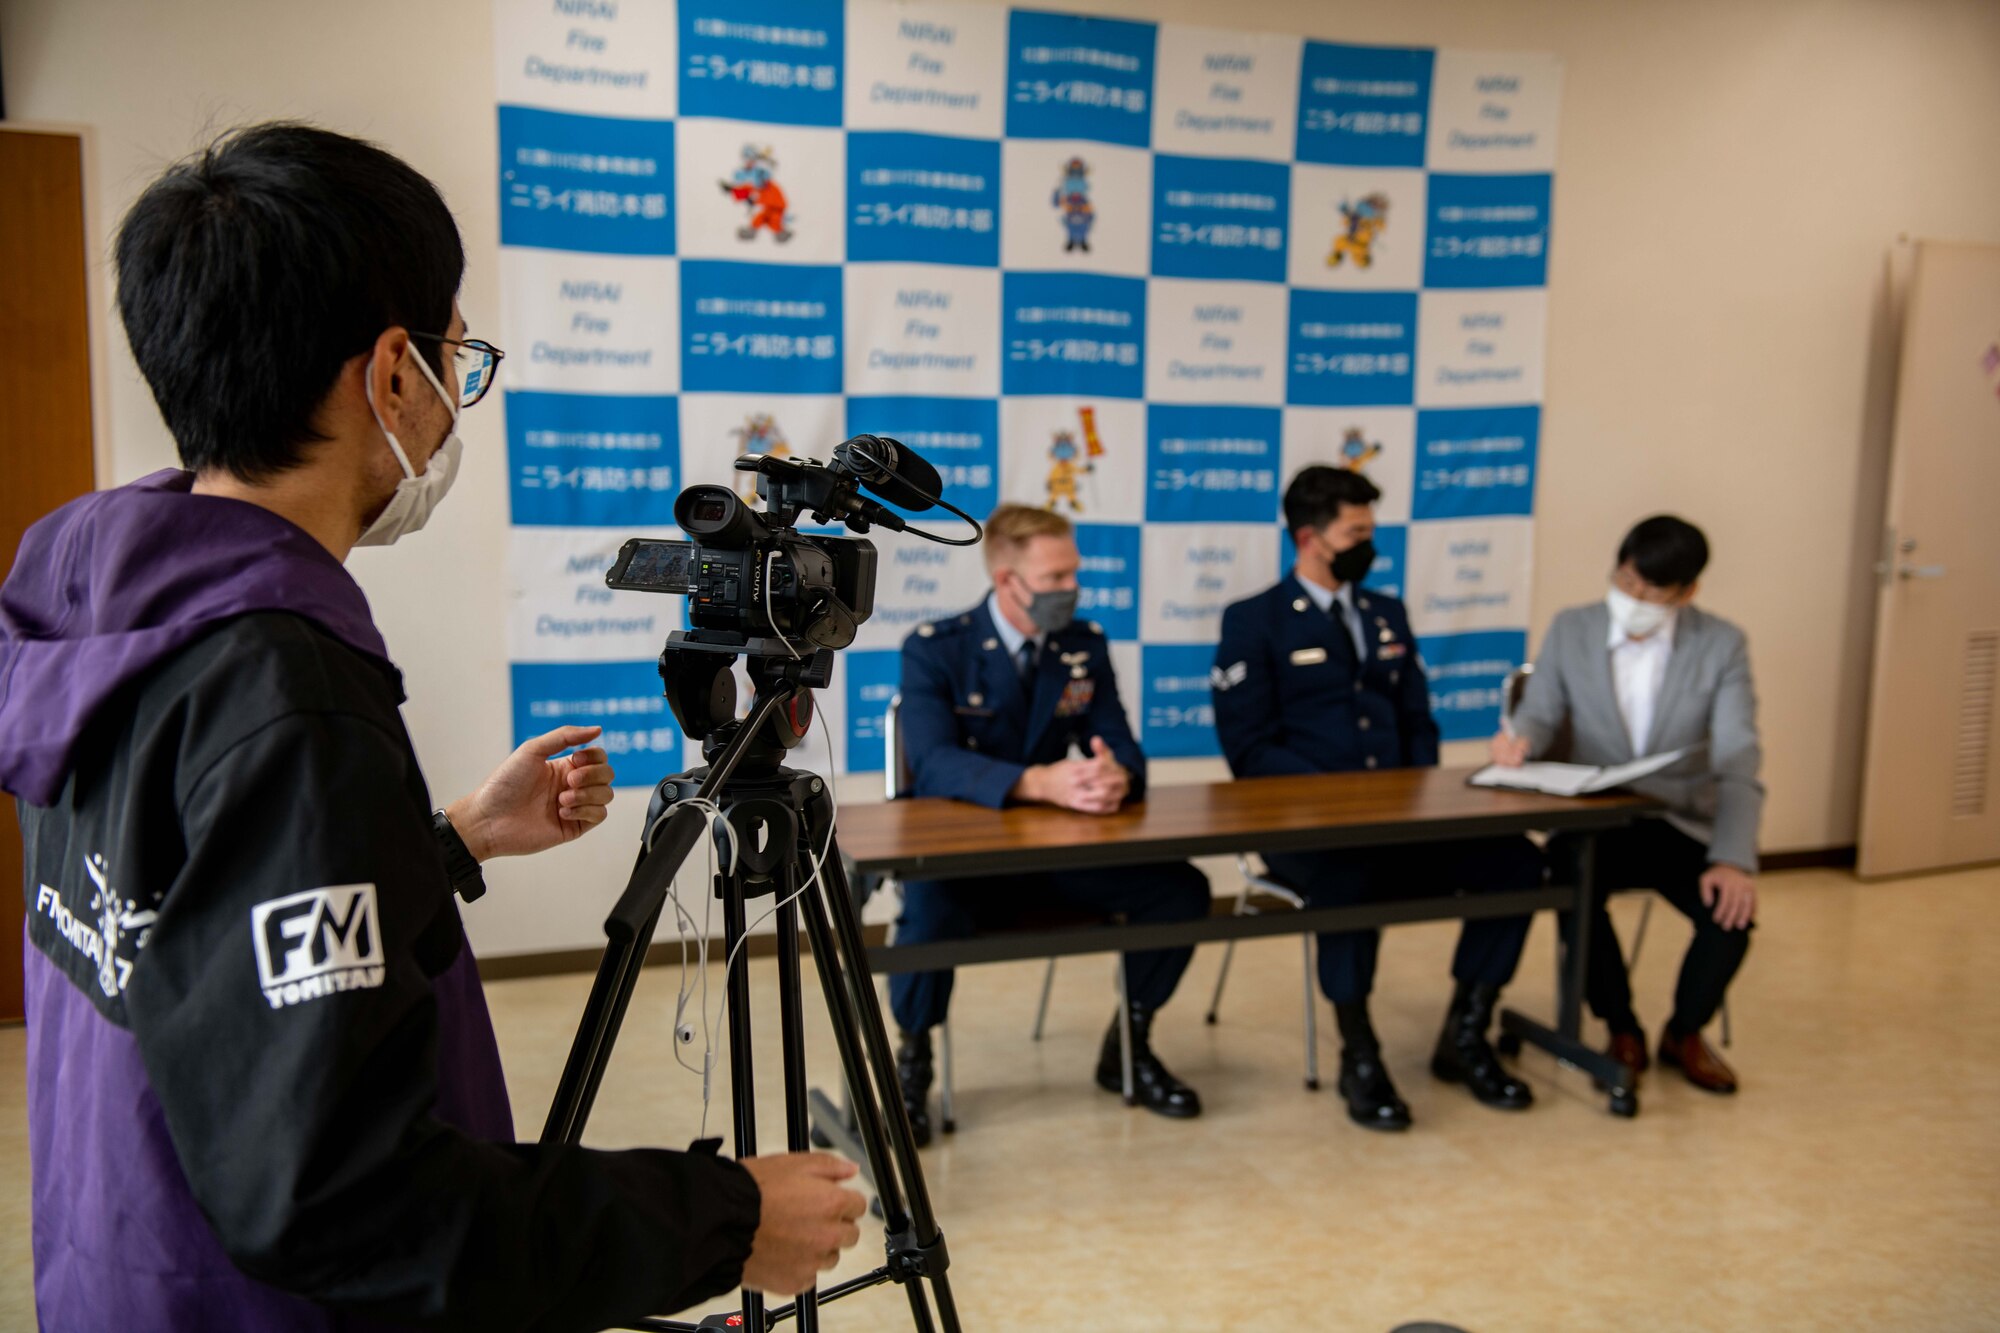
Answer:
(971, 726)
(1291, 696)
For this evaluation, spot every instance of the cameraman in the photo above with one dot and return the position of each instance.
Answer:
(263, 1088)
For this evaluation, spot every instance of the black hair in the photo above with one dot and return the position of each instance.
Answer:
(1316, 494)
(251, 272)
(1667, 552)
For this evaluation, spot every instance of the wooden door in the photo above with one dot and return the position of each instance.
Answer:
(45, 423)
(1931, 789)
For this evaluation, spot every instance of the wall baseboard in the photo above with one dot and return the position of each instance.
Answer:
(1810, 858)
(558, 962)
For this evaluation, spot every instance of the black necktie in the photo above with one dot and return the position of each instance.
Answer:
(1337, 610)
(1024, 663)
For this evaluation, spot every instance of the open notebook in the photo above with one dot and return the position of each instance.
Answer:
(1573, 779)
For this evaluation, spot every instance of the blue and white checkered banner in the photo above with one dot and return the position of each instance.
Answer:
(1138, 273)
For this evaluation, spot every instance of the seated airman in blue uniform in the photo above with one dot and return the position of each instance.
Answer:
(1320, 675)
(994, 702)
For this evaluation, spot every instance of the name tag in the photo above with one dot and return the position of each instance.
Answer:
(1309, 657)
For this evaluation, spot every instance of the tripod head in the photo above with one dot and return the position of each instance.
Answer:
(701, 689)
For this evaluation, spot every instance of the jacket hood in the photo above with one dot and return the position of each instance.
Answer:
(113, 584)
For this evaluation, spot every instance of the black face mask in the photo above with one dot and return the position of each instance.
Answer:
(1353, 564)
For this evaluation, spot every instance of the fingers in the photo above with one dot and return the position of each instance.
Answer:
(587, 766)
(589, 796)
(827, 1167)
(552, 743)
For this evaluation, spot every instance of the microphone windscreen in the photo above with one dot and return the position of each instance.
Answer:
(870, 457)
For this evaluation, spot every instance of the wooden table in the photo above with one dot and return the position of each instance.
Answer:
(940, 839)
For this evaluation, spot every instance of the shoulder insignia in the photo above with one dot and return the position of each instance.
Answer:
(1225, 678)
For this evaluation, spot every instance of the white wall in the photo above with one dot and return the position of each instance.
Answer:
(1732, 175)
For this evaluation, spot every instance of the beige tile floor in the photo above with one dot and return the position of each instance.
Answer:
(1854, 1184)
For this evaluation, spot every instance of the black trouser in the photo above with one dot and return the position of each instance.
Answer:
(1488, 949)
(1653, 854)
(955, 908)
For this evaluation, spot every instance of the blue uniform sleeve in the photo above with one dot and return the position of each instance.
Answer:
(1107, 719)
(1414, 723)
(1249, 717)
(941, 764)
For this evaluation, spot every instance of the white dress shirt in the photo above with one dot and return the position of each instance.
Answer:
(1638, 667)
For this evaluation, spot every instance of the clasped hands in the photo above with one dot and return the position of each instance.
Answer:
(1095, 786)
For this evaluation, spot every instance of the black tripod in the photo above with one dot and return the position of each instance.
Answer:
(782, 821)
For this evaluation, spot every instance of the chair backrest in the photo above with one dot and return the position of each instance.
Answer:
(897, 779)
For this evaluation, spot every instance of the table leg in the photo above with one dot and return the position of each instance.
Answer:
(1565, 1040)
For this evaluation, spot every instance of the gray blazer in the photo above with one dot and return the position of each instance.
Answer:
(1572, 702)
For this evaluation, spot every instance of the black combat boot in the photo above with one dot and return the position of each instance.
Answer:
(1371, 1098)
(913, 1073)
(1153, 1085)
(1464, 1056)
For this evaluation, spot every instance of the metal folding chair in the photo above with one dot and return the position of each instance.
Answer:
(1256, 882)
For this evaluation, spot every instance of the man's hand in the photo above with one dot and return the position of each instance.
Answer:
(805, 1222)
(533, 801)
(1509, 751)
(1731, 894)
(1094, 786)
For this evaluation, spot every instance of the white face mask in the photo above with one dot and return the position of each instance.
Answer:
(416, 496)
(1636, 619)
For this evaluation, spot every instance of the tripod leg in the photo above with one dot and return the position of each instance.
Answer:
(865, 1097)
(867, 1011)
(798, 1127)
(610, 994)
(742, 1079)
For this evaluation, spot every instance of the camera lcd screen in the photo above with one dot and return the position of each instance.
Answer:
(655, 566)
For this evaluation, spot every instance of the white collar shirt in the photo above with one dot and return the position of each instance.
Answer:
(1638, 669)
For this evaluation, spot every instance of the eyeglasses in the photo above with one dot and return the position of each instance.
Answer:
(476, 361)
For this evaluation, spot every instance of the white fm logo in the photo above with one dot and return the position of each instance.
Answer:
(316, 943)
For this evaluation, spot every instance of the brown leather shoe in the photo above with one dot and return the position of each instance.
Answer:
(1629, 1049)
(1694, 1057)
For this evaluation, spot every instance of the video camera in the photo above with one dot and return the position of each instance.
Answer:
(756, 585)
(751, 576)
